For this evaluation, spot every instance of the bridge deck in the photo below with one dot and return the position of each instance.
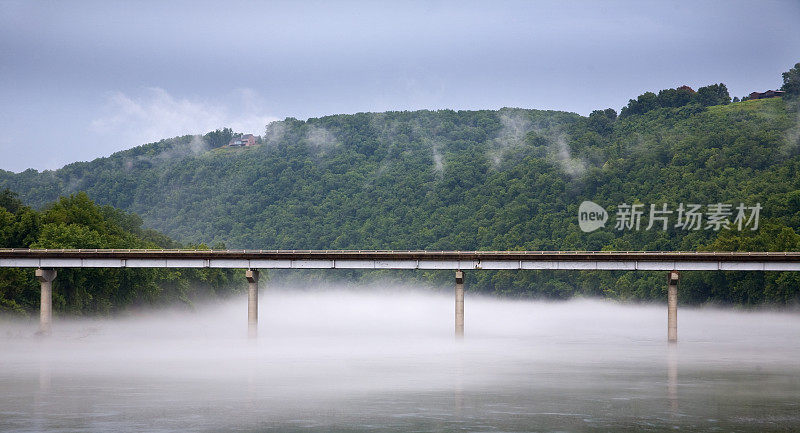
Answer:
(362, 259)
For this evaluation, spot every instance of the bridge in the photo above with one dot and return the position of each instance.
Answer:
(45, 262)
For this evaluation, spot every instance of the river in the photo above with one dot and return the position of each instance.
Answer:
(384, 359)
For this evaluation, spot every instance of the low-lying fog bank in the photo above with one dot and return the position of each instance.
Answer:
(386, 359)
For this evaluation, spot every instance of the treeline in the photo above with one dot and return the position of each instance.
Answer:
(715, 94)
(218, 138)
(706, 96)
(510, 179)
(77, 222)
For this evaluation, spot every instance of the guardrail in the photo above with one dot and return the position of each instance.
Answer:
(392, 259)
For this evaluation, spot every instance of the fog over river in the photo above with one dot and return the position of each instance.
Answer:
(385, 359)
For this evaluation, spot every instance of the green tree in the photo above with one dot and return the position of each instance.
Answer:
(643, 103)
(219, 137)
(675, 97)
(77, 222)
(602, 121)
(791, 81)
(715, 94)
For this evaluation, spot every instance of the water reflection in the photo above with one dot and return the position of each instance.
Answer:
(45, 376)
(458, 384)
(672, 377)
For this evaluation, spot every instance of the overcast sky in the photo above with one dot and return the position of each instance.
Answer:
(80, 80)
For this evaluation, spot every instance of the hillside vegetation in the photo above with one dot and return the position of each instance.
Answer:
(510, 179)
(77, 222)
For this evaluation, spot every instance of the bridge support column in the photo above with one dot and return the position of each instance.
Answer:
(252, 303)
(45, 277)
(459, 304)
(672, 307)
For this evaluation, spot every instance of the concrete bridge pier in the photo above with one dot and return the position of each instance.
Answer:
(459, 304)
(672, 307)
(252, 303)
(45, 277)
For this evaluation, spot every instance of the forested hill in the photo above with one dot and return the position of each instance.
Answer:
(465, 180)
(507, 179)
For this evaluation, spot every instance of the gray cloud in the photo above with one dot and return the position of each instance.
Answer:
(155, 114)
(80, 68)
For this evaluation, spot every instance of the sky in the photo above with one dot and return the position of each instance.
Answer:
(84, 79)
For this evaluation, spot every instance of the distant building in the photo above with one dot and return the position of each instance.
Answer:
(767, 94)
(244, 140)
(685, 87)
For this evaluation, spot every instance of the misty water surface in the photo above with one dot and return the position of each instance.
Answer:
(384, 359)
